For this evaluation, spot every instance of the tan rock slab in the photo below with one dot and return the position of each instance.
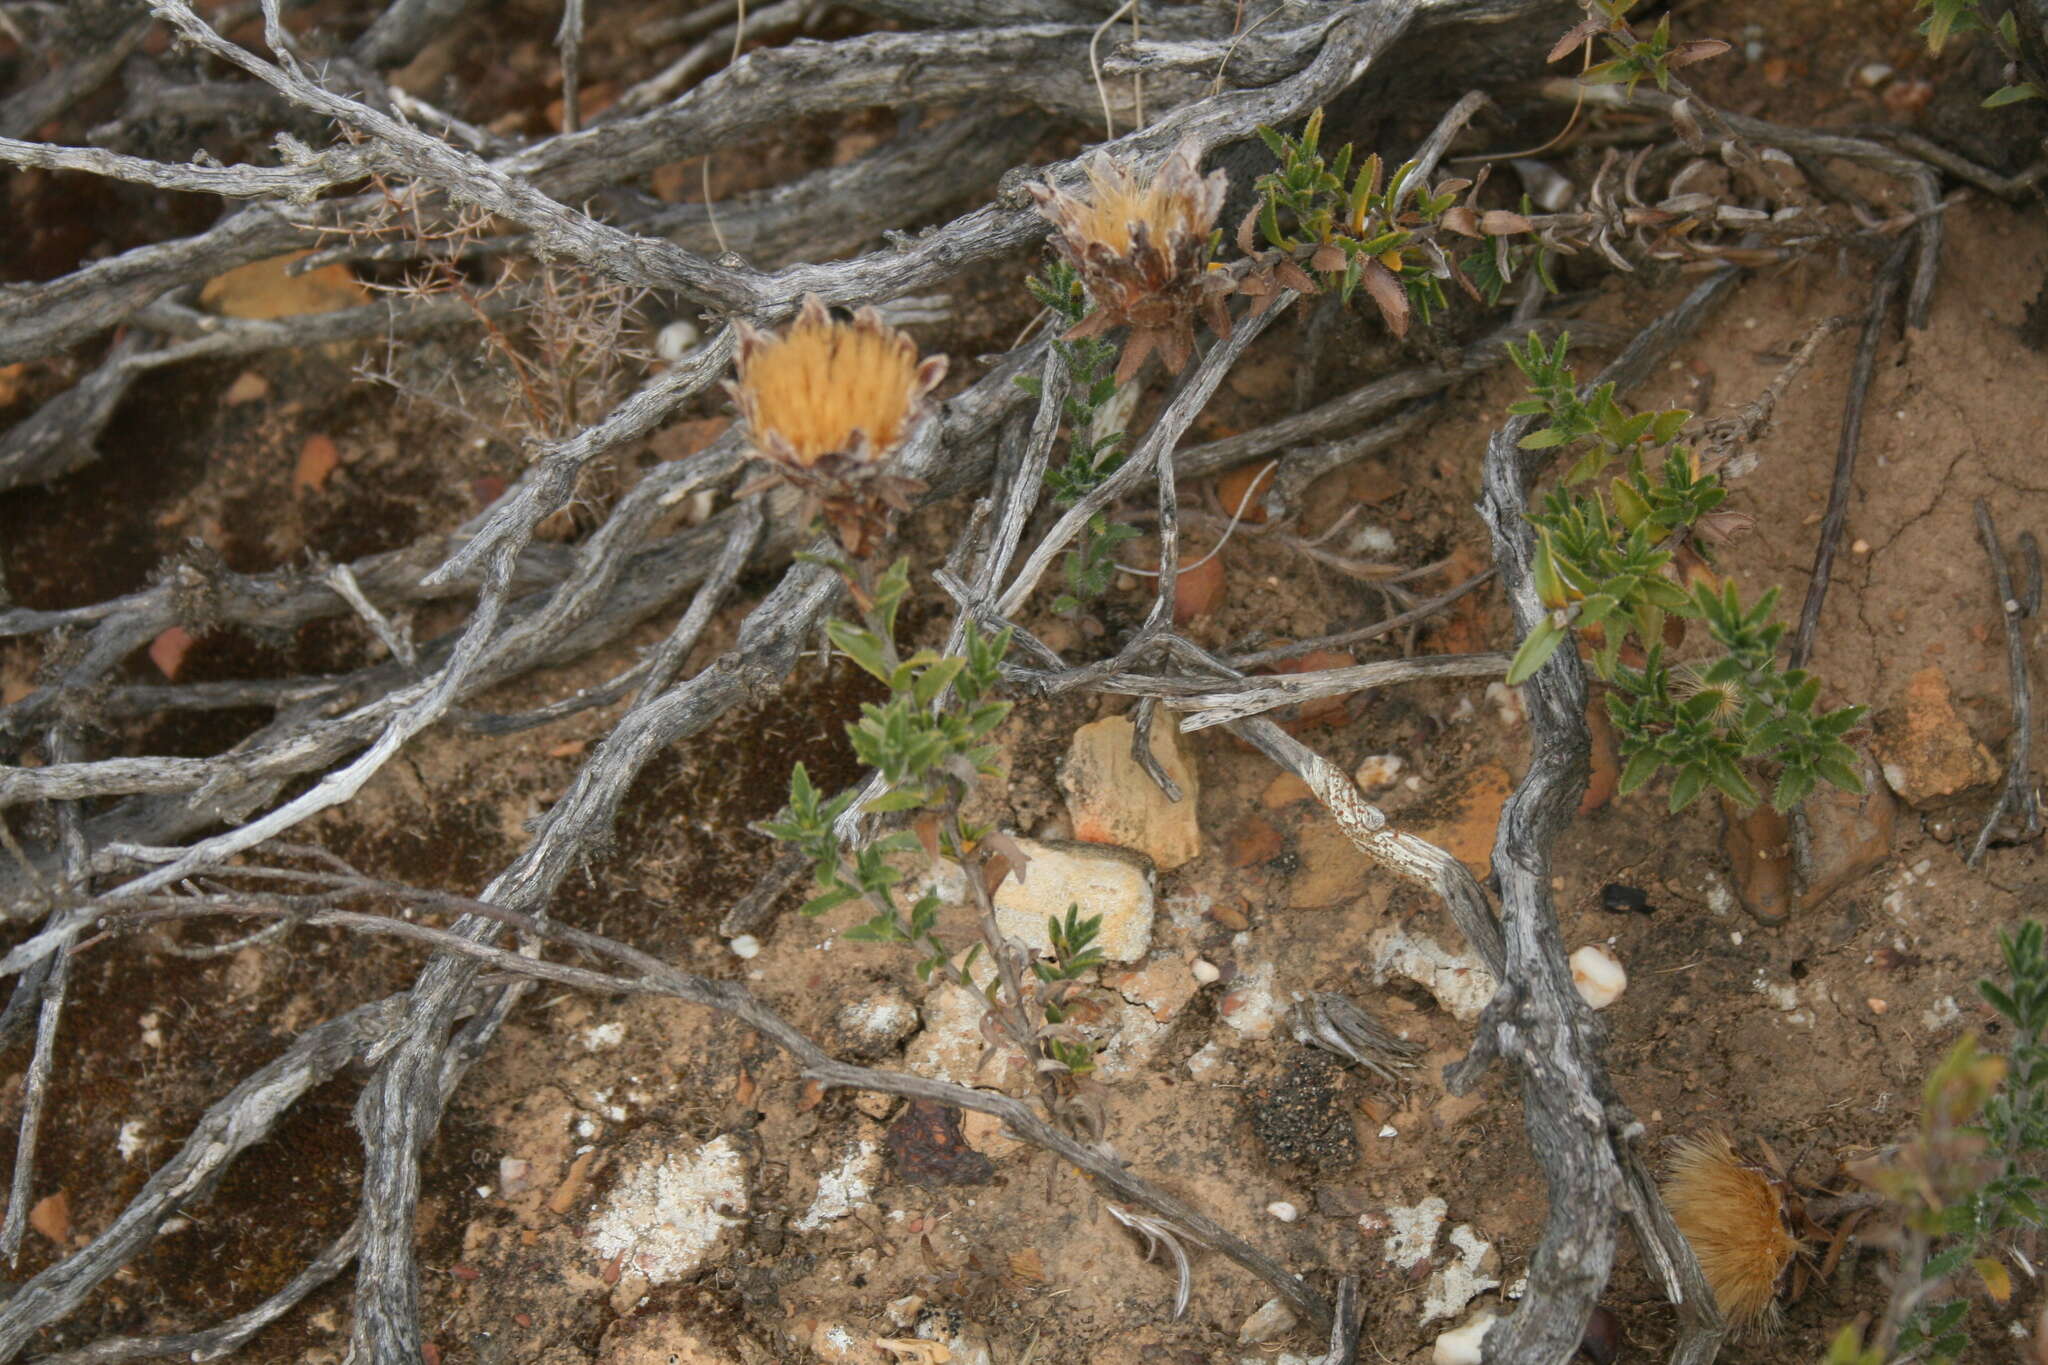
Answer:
(1111, 800)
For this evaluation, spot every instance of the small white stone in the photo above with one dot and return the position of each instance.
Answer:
(513, 1172)
(1459, 981)
(667, 1215)
(1411, 1232)
(1108, 881)
(674, 341)
(1735, 937)
(1506, 702)
(745, 946)
(1941, 1014)
(1463, 1345)
(1598, 975)
(877, 1022)
(1205, 971)
(1249, 1005)
(1283, 1210)
(604, 1037)
(847, 1187)
(1873, 74)
(1378, 771)
(129, 1142)
(1389, 1131)
(1213, 1064)
(1373, 540)
(1273, 1320)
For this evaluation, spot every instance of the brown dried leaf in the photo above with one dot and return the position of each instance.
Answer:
(1329, 258)
(51, 1216)
(1247, 231)
(1012, 852)
(1388, 294)
(1574, 37)
(1697, 50)
(1501, 223)
(1462, 220)
(1294, 277)
(169, 649)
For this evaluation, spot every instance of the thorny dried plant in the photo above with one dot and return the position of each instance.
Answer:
(558, 340)
(827, 404)
(1142, 251)
(1734, 1215)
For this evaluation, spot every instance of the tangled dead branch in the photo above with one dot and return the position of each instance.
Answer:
(165, 833)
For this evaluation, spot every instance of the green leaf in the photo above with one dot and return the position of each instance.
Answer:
(1793, 785)
(1536, 650)
(1839, 774)
(1641, 767)
(936, 679)
(2013, 94)
(818, 905)
(861, 646)
(1597, 608)
(1691, 781)
(1666, 426)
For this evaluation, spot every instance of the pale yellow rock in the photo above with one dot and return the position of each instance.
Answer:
(1112, 800)
(1109, 882)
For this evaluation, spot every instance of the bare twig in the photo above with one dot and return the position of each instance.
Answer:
(1219, 705)
(1837, 516)
(2015, 605)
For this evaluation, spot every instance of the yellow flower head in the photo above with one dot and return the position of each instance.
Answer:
(830, 392)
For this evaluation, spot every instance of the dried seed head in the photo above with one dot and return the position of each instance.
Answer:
(828, 392)
(1141, 251)
(1732, 1214)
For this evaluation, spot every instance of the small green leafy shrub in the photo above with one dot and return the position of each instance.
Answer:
(1092, 455)
(929, 741)
(1635, 58)
(1385, 231)
(1968, 1184)
(1947, 19)
(1605, 568)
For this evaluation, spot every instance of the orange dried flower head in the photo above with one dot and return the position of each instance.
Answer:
(1141, 250)
(1734, 1216)
(827, 403)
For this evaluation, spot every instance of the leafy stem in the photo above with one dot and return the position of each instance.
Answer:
(1625, 566)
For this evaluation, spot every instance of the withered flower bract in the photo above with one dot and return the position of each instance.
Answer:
(1141, 252)
(827, 404)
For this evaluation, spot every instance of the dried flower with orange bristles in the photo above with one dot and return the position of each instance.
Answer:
(827, 403)
(1734, 1215)
(1142, 253)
